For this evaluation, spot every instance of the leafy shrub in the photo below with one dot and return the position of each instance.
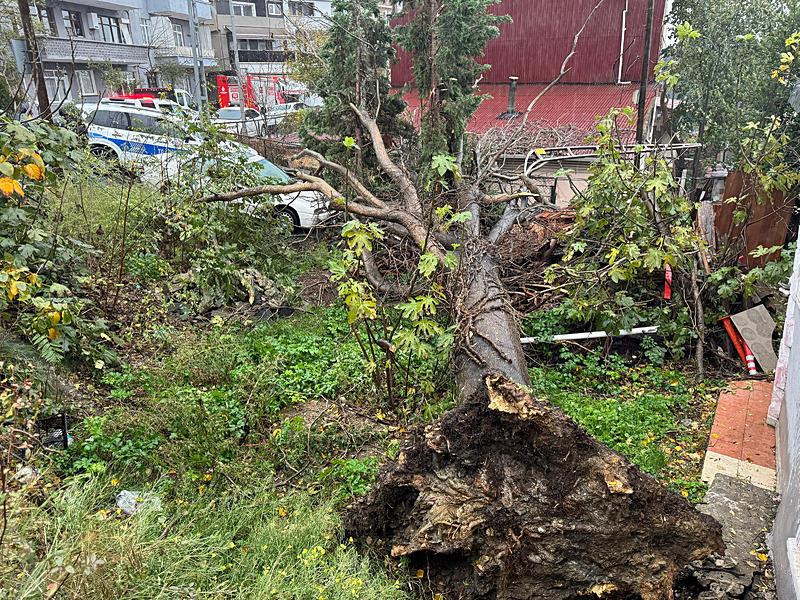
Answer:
(354, 475)
(100, 443)
(40, 271)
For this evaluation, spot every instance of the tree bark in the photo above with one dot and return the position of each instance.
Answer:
(488, 335)
(36, 62)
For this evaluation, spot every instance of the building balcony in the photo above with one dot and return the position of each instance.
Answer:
(54, 49)
(112, 4)
(180, 9)
(182, 55)
(264, 56)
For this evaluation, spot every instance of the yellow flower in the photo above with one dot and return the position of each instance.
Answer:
(115, 482)
(201, 490)
(10, 186)
(207, 477)
(282, 512)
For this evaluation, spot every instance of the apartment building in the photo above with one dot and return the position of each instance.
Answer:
(260, 34)
(89, 46)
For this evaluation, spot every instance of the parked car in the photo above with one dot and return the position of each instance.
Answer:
(144, 140)
(306, 209)
(230, 119)
(156, 147)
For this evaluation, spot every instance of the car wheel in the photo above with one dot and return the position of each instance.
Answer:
(290, 215)
(104, 153)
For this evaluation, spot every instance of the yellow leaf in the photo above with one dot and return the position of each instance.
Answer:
(282, 512)
(10, 186)
(540, 151)
(12, 290)
(419, 574)
(34, 171)
(761, 556)
(52, 333)
(55, 318)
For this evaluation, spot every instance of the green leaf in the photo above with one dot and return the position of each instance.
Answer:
(7, 169)
(427, 264)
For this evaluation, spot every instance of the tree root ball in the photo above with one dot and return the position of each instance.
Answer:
(507, 498)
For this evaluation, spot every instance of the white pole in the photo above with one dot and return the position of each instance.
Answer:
(591, 335)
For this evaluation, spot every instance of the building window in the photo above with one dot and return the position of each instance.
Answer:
(72, 23)
(86, 84)
(56, 83)
(255, 44)
(274, 9)
(112, 32)
(47, 21)
(177, 31)
(304, 9)
(244, 9)
(146, 32)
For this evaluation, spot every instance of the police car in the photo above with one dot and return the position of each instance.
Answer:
(156, 146)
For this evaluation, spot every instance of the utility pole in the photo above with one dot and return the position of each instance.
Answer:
(36, 60)
(235, 43)
(204, 88)
(648, 42)
(198, 97)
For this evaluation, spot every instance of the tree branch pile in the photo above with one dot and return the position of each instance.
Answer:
(507, 498)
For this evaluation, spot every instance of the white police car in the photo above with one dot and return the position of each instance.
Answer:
(157, 147)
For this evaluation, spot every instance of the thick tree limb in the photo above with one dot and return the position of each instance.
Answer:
(349, 176)
(513, 215)
(378, 281)
(407, 188)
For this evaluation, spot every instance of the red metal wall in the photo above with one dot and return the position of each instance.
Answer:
(535, 44)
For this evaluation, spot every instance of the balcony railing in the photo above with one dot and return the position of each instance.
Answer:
(81, 51)
(261, 56)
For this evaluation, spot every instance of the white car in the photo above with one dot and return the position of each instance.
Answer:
(230, 119)
(155, 145)
(305, 210)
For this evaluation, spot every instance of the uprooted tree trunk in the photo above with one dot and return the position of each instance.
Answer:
(506, 497)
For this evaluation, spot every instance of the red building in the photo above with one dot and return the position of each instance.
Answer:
(603, 74)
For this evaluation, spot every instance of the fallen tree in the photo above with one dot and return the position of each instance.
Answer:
(505, 493)
(508, 498)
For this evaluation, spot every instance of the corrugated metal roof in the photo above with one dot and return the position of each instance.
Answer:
(541, 34)
(564, 105)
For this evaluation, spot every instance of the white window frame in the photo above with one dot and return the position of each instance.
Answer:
(66, 18)
(87, 86)
(147, 32)
(58, 84)
(274, 6)
(241, 6)
(177, 34)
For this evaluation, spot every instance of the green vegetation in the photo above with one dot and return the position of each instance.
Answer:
(648, 413)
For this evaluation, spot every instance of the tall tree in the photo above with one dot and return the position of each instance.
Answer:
(445, 39)
(722, 58)
(357, 55)
(37, 71)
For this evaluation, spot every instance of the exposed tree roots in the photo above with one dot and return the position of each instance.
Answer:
(506, 497)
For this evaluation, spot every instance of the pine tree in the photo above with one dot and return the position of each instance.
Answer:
(358, 55)
(444, 39)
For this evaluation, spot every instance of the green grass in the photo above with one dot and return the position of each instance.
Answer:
(227, 543)
(648, 413)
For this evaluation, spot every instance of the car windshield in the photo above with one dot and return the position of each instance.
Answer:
(270, 171)
(229, 113)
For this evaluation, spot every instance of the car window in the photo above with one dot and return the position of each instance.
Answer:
(251, 114)
(109, 118)
(270, 171)
(229, 113)
(150, 124)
